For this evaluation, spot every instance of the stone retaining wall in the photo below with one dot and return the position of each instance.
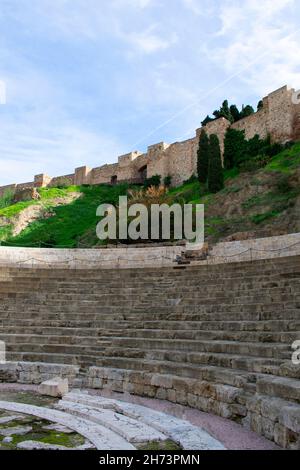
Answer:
(163, 256)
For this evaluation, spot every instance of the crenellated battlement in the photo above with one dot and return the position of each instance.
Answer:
(279, 117)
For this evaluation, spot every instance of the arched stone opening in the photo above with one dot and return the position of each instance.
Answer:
(143, 173)
(114, 180)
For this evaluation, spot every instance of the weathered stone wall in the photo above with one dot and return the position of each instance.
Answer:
(279, 117)
(124, 258)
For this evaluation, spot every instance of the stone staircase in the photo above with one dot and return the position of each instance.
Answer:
(217, 338)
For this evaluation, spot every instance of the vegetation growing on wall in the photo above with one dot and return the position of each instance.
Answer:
(231, 113)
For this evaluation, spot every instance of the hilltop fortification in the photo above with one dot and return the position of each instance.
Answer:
(279, 117)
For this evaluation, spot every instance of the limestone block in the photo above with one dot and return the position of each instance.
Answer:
(171, 395)
(290, 418)
(267, 428)
(161, 394)
(164, 381)
(56, 387)
(256, 423)
(9, 372)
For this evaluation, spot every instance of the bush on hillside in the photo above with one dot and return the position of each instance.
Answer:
(154, 180)
(167, 181)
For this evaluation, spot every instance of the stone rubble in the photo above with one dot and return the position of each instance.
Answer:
(18, 430)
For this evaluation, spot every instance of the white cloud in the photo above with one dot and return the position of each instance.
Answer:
(133, 3)
(263, 33)
(149, 41)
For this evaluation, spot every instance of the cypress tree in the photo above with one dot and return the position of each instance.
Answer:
(202, 157)
(234, 147)
(215, 169)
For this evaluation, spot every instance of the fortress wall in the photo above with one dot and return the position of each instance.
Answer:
(8, 187)
(181, 160)
(126, 170)
(275, 118)
(103, 174)
(255, 124)
(279, 117)
(24, 186)
(281, 114)
(218, 127)
(62, 180)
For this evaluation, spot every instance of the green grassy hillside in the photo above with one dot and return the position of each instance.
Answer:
(257, 203)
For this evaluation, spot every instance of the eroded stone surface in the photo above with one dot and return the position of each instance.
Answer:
(35, 445)
(7, 419)
(58, 428)
(56, 387)
(132, 430)
(188, 436)
(17, 430)
(103, 439)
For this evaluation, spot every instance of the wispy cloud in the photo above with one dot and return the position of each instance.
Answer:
(87, 78)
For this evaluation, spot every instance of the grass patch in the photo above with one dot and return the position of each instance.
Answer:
(159, 445)
(260, 218)
(286, 161)
(71, 221)
(6, 198)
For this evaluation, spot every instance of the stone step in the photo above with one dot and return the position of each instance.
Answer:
(166, 329)
(223, 335)
(254, 312)
(242, 362)
(37, 334)
(55, 349)
(270, 286)
(282, 387)
(276, 419)
(102, 438)
(189, 437)
(85, 326)
(276, 350)
(132, 430)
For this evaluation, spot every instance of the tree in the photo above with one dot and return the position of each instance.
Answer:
(234, 148)
(236, 115)
(260, 105)
(202, 157)
(224, 111)
(167, 181)
(246, 111)
(215, 169)
(206, 121)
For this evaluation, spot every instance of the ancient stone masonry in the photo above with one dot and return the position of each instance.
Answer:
(218, 338)
(279, 117)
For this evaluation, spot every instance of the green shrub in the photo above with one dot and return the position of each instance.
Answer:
(154, 180)
(259, 218)
(283, 185)
(167, 181)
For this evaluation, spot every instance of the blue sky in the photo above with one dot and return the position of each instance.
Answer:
(88, 80)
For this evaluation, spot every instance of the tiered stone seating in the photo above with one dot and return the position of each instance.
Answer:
(217, 338)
